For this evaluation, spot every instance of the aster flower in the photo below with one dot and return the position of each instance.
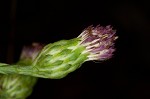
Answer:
(58, 59)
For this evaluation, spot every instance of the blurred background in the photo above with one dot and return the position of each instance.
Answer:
(125, 76)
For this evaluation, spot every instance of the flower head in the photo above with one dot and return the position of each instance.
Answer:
(99, 42)
(56, 60)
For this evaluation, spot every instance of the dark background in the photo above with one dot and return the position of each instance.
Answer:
(124, 76)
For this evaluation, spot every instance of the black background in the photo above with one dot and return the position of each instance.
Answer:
(124, 76)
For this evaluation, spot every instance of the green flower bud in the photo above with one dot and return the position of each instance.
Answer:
(15, 86)
(60, 58)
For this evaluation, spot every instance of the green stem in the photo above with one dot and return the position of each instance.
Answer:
(23, 70)
(15, 69)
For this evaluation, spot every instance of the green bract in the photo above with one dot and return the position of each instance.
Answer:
(16, 86)
(60, 58)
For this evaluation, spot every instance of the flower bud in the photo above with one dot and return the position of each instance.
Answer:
(15, 86)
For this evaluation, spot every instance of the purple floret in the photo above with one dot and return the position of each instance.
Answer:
(99, 42)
